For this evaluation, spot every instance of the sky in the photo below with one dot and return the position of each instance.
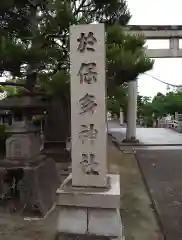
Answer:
(158, 12)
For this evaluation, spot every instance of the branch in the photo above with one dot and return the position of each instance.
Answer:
(80, 7)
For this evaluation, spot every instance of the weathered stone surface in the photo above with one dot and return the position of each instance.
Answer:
(22, 127)
(39, 184)
(24, 141)
(72, 220)
(88, 107)
(22, 146)
(104, 222)
(87, 189)
(101, 207)
(39, 178)
(89, 221)
(90, 197)
(20, 102)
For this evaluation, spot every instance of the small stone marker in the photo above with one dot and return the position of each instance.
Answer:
(88, 105)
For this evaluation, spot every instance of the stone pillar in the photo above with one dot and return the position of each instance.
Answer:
(176, 116)
(89, 199)
(174, 46)
(132, 112)
(180, 122)
(121, 117)
(174, 43)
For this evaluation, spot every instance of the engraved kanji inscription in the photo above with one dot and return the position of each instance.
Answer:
(89, 165)
(87, 104)
(87, 73)
(88, 132)
(86, 42)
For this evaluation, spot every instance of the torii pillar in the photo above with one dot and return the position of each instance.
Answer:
(132, 112)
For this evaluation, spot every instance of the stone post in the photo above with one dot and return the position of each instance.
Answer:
(176, 116)
(132, 112)
(89, 199)
(180, 122)
(121, 117)
(174, 46)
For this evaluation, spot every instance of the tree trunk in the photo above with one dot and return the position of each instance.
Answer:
(57, 128)
(57, 122)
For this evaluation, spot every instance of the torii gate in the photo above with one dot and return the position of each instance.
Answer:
(151, 32)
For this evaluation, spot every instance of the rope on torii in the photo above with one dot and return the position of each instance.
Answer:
(168, 84)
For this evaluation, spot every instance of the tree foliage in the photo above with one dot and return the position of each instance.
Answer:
(118, 100)
(126, 56)
(168, 103)
(143, 106)
(144, 110)
(34, 41)
(161, 105)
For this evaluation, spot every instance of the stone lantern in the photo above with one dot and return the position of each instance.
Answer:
(39, 179)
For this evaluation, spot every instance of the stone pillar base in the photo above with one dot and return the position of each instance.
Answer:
(90, 211)
(36, 183)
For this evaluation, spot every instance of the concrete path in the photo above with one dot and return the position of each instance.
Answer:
(151, 136)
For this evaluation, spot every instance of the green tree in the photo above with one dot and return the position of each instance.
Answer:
(145, 110)
(169, 103)
(34, 44)
(142, 103)
(118, 100)
(161, 105)
(158, 105)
